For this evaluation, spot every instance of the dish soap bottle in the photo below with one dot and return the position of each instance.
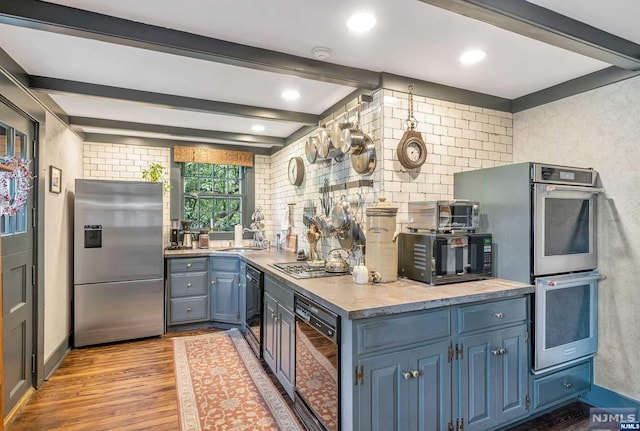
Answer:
(360, 272)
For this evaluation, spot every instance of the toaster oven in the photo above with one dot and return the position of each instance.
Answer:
(438, 258)
(444, 216)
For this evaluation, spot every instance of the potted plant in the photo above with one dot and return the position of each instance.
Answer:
(156, 173)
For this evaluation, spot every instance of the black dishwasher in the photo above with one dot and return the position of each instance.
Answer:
(317, 364)
(252, 326)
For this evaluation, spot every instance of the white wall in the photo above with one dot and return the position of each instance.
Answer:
(600, 129)
(63, 150)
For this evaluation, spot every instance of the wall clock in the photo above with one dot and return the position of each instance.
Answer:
(412, 151)
(296, 171)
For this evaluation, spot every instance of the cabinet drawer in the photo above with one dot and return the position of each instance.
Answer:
(561, 385)
(280, 293)
(189, 310)
(396, 332)
(481, 316)
(189, 264)
(229, 264)
(188, 284)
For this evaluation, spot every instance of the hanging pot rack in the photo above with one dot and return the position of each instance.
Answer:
(360, 100)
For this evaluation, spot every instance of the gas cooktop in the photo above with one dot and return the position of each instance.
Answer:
(303, 269)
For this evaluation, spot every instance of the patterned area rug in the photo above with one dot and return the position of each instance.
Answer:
(222, 386)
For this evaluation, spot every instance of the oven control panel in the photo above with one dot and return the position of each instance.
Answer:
(316, 316)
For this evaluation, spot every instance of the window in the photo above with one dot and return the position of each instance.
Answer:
(13, 143)
(214, 194)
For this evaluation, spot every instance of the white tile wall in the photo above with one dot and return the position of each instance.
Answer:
(125, 163)
(458, 137)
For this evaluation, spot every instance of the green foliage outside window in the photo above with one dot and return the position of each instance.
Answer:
(213, 191)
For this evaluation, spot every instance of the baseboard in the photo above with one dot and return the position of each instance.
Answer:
(56, 358)
(602, 398)
(16, 409)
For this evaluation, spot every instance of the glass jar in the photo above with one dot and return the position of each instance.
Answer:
(203, 239)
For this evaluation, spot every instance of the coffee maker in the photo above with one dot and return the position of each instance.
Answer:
(187, 239)
(174, 235)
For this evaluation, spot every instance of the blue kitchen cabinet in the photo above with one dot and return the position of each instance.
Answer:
(187, 291)
(452, 368)
(493, 378)
(406, 390)
(224, 296)
(279, 332)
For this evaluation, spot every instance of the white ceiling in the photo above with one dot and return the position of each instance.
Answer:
(411, 39)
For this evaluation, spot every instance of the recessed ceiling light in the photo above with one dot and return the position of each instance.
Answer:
(290, 95)
(257, 128)
(472, 56)
(361, 22)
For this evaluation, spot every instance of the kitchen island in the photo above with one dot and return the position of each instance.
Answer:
(411, 355)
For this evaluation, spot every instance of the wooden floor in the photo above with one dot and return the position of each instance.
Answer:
(125, 386)
(130, 386)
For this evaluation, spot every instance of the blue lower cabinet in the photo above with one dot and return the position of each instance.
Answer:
(473, 375)
(406, 390)
(225, 289)
(493, 378)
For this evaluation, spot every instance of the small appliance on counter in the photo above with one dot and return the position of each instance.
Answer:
(444, 216)
(187, 239)
(440, 258)
(174, 236)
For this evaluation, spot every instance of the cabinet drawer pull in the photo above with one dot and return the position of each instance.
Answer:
(498, 315)
(188, 265)
(567, 385)
(188, 309)
(188, 285)
(407, 375)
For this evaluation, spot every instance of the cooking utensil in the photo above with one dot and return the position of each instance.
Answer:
(336, 263)
(365, 162)
(311, 149)
(340, 141)
(291, 241)
(345, 238)
(354, 137)
(341, 214)
(322, 145)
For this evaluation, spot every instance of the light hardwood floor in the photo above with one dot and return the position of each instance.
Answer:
(125, 386)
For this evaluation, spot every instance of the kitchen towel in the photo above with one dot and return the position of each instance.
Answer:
(237, 235)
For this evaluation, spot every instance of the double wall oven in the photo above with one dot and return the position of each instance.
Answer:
(543, 221)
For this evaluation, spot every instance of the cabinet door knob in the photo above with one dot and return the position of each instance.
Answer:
(213, 282)
(188, 284)
(407, 375)
(498, 352)
(498, 315)
(416, 373)
(188, 265)
(188, 309)
(567, 385)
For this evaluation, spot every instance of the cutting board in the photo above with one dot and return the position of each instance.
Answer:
(291, 243)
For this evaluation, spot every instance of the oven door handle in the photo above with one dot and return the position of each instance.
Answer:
(554, 283)
(565, 188)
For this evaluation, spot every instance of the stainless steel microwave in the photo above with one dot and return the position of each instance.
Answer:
(445, 258)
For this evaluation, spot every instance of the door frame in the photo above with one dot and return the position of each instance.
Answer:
(15, 94)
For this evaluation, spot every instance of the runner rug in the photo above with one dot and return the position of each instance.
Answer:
(222, 386)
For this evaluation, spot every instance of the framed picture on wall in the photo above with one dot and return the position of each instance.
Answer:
(55, 179)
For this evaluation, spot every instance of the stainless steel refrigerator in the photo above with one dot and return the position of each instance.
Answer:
(118, 261)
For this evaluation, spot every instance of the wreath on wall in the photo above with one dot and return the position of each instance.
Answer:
(10, 203)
